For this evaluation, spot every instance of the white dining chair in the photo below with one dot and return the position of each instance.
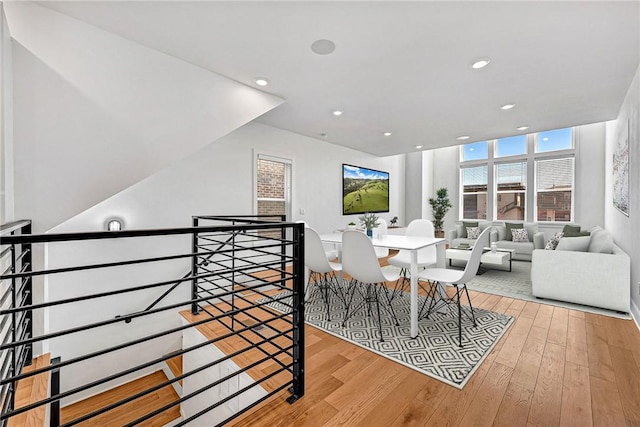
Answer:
(323, 274)
(380, 232)
(436, 277)
(368, 280)
(426, 256)
(331, 254)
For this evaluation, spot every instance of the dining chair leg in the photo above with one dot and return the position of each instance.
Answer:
(473, 316)
(383, 288)
(459, 316)
(325, 294)
(430, 299)
(401, 283)
(379, 318)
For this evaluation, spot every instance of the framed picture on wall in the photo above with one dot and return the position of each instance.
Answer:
(621, 170)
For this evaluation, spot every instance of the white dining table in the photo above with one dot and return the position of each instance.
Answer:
(411, 244)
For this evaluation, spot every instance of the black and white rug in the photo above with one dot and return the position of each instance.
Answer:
(435, 352)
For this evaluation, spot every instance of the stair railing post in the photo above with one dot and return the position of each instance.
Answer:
(283, 249)
(27, 260)
(194, 268)
(297, 388)
(14, 350)
(54, 387)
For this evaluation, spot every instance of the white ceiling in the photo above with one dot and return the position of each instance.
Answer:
(402, 67)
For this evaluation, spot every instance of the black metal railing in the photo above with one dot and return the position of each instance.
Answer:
(225, 317)
(15, 292)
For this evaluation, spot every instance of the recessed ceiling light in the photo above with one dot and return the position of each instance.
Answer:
(387, 134)
(480, 63)
(324, 135)
(261, 81)
(419, 146)
(337, 112)
(463, 137)
(323, 47)
(507, 106)
(522, 128)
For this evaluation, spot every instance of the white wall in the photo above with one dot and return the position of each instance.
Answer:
(626, 229)
(219, 179)
(6, 123)
(96, 113)
(414, 184)
(590, 168)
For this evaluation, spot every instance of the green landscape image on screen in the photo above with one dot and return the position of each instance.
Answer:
(364, 190)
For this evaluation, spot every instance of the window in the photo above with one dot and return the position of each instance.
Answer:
(554, 140)
(511, 191)
(475, 151)
(494, 177)
(512, 146)
(554, 189)
(273, 188)
(474, 193)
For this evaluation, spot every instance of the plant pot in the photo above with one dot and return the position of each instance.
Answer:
(370, 232)
(439, 234)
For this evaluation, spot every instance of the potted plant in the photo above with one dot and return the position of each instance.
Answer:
(351, 225)
(369, 221)
(439, 208)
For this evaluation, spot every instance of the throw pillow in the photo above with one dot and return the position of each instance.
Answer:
(601, 242)
(466, 225)
(473, 232)
(573, 231)
(519, 234)
(510, 226)
(576, 244)
(553, 242)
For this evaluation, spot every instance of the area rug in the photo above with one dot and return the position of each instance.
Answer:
(434, 352)
(517, 284)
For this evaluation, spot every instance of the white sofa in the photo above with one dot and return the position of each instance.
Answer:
(589, 278)
(522, 250)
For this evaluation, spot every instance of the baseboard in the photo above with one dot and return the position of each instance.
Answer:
(635, 313)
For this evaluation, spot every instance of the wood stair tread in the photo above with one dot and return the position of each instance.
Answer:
(29, 390)
(129, 411)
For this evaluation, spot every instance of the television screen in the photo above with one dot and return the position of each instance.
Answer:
(364, 190)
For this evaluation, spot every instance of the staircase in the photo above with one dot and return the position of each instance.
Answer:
(107, 366)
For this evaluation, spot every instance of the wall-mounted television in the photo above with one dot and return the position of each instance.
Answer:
(364, 190)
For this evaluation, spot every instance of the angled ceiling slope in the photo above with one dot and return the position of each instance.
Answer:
(402, 67)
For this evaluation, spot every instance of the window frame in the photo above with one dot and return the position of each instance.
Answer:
(498, 192)
(477, 163)
(530, 158)
(573, 186)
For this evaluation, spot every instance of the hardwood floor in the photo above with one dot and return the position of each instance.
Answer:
(554, 367)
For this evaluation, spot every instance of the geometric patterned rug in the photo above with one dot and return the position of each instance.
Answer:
(434, 352)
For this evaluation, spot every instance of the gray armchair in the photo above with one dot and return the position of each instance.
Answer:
(459, 233)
